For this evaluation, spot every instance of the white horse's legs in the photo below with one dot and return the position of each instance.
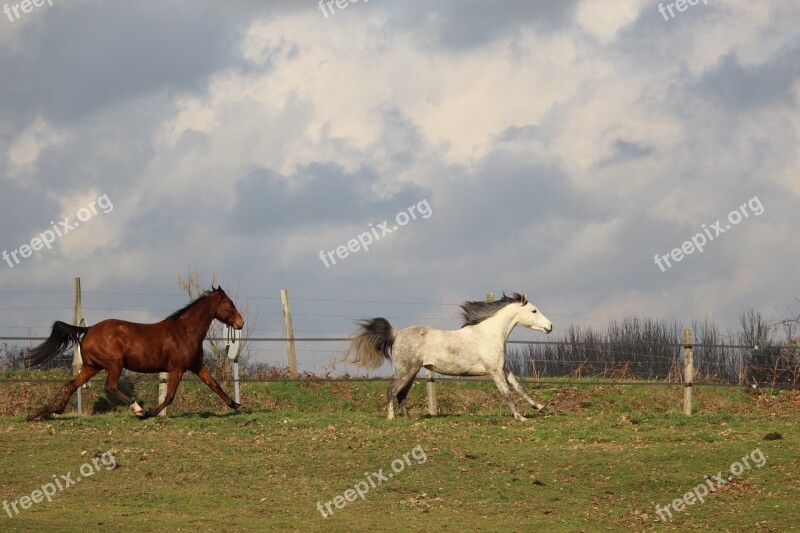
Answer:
(512, 379)
(390, 416)
(502, 385)
(399, 389)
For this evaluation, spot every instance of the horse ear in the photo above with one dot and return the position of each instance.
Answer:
(212, 288)
(524, 299)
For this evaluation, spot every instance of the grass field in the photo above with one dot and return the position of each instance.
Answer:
(601, 462)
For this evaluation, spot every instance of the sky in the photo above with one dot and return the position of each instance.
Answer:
(611, 159)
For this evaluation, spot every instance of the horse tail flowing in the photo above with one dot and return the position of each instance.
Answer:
(371, 344)
(62, 337)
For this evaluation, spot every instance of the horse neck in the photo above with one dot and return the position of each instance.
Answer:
(198, 318)
(500, 326)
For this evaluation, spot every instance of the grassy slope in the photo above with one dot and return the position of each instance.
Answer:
(601, 463)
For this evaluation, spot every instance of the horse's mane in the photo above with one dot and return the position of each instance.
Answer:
(177, 314)
(476, 312)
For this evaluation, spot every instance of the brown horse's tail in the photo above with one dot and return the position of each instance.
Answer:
(371, 344)
(61, 338)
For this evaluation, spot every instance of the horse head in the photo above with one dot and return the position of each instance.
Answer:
(530, 317)
(226, 310)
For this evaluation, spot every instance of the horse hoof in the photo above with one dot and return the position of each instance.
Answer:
(520, 418)
(236, 407)
(138, 411)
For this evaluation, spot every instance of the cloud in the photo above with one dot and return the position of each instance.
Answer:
(604, 23)
(560, 145)
(23, 155)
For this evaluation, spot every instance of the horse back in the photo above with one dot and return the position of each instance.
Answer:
(454, 353)
(139, 347)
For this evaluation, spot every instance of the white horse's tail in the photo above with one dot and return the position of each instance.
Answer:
(371, 343)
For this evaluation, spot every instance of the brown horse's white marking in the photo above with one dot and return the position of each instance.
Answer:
(477, 349)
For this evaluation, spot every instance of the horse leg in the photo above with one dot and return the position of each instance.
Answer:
(390, 399)
(172, 386)
(500, 380)
(206, 377)
(512, 379)
(402, 393)
(86, 373)
(400, 387)
(112, 389)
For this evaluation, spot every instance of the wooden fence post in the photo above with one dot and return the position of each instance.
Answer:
(433, 408)
(688, 374)
(290, 349)
(741, 367)
(162, 390)
(77, 363)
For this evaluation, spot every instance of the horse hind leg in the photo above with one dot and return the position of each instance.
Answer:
(512, 379)
(399, 388)
(86, 373)
(402, 394)
(112, 389)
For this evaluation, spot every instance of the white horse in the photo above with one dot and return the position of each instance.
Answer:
(477, 349)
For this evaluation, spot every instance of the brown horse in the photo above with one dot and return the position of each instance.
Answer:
(173, 345)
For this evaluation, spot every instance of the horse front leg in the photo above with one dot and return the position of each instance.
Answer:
(500, 380)
(206, 377)
(512, 379)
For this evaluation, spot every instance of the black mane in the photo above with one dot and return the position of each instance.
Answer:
(476, 312)
(177, 314)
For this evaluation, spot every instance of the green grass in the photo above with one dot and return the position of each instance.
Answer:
(602, 462)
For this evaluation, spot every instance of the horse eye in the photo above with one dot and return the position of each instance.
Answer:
(534, 311)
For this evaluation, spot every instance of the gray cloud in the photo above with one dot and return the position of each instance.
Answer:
(742, 88)
(328, 196)
(467, 24)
